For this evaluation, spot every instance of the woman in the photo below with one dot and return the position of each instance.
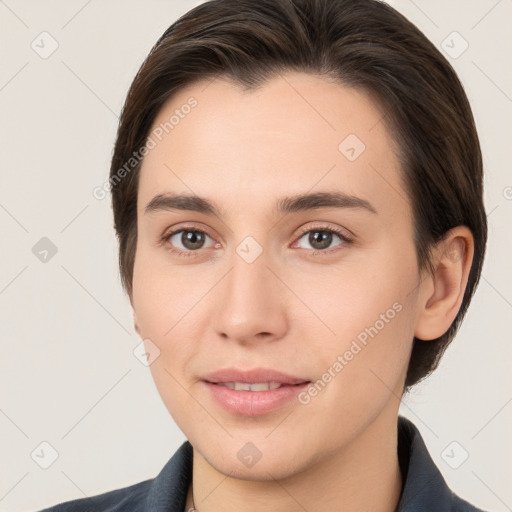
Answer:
(297, 193)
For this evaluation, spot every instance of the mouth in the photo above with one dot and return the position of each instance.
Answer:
(253, 392)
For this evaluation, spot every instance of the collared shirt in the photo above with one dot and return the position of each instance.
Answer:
(423, 487)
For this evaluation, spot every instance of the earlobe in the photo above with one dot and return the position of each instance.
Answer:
(443, 290)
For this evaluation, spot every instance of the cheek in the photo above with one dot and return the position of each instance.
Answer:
(350, 299)
(367, 313)
(163, 301)
(163, 295)
(167, 300)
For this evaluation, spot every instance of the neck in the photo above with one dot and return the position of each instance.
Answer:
(362, 476)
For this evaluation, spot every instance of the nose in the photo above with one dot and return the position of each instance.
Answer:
(252, 303)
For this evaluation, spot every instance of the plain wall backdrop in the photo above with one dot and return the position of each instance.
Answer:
(68, 375)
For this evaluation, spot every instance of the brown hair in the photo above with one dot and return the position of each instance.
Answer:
(365, 44)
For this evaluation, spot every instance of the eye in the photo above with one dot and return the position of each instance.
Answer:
(321, 239)
(186, 240)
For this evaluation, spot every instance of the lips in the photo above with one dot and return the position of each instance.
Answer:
(253, 392)
(233, 377)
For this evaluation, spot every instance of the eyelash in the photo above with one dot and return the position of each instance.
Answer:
(324, 229)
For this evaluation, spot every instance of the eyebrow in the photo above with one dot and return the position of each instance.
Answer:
(284, 205)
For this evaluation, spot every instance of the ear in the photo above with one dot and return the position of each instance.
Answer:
(442, 291)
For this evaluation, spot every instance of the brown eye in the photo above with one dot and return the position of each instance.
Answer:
(321, 240)
(192, 239)
(187, 240)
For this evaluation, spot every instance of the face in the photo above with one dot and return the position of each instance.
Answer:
(323, 289)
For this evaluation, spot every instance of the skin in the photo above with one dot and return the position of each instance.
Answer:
(243, 151)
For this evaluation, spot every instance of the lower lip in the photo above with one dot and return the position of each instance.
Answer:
(253, 403)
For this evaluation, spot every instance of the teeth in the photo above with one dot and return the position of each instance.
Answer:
(243, 386)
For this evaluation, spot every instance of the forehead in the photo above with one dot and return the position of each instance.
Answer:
(294, 133)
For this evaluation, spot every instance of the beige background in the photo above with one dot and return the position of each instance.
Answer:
(67, 372)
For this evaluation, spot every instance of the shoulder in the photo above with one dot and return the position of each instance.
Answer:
(167, 491)
(424, 487)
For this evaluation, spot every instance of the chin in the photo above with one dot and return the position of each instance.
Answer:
(263, 460)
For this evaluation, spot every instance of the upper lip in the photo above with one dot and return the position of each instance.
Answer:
(256, 375)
